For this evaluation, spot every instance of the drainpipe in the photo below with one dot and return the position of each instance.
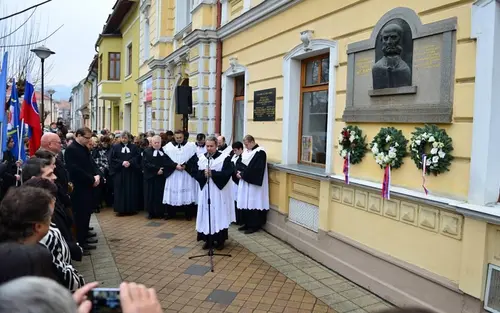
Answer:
(218, 80)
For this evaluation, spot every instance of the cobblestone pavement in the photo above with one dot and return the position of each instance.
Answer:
(263, 275)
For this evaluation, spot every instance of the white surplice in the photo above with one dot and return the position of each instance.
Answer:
(234, 159)
(253, 197)
(226, 151)
(180, 187)
(221, 201)
(201, 150)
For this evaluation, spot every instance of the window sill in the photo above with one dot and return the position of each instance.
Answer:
(128, 77)
(309, 171)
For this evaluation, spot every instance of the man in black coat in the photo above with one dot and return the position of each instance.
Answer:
(84, 175)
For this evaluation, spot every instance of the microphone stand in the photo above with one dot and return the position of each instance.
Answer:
(210, 253)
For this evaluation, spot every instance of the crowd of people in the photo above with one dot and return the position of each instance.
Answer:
(47, 200)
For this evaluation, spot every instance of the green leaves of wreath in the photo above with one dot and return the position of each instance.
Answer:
(436, 145)
(389, 147)
(351, 140)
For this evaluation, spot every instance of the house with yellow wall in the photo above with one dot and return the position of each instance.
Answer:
(296, 73)
(118, 68)
(177, 48)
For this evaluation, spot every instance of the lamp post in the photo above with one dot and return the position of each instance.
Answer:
(42, 52)
(51, 92)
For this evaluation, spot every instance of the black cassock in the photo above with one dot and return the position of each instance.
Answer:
(253, 174)
(238, 166)
(125, 180)
(220, 179)
(154, 184)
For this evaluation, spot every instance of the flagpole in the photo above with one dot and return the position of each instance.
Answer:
(19, 143)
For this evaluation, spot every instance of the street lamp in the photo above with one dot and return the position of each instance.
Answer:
(51, 92)
(42, 52)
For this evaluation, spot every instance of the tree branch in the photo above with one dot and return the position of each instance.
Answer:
(15, 30)
(34, 43)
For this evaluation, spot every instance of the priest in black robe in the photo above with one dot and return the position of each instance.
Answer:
(157, 166)
(253, 186)
(124, 169)
(238, 167)
(215, 198)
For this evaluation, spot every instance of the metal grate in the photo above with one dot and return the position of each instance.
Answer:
(303, 214)
(492, 297)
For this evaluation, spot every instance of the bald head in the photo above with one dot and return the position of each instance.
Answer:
(155, 142)
(221, 141)
(51, 142)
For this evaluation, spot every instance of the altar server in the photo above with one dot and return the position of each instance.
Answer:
(157, 165)
(200, 144)
(253, 186)
(125, 170)
(181, 189)
(223, 147)
(238, 166)
(214, 173)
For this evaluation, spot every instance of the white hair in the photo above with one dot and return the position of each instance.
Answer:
(35, 295)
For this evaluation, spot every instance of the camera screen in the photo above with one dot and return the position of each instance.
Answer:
(105, 300)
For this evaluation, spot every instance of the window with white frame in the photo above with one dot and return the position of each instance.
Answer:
(129, 59)
(182, 14)
(146, 40)
(309, 104)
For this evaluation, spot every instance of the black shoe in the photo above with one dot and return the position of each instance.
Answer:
(91, 234)
(91, 228)
(86, 253)
(166, 218)
(97, 210)
(205, 246)
(250, 231)
(150, 217)
(89, 247)
(92, 240)
(220, 245)
(244, 227)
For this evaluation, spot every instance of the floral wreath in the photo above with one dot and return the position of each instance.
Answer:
(352, 142)
(389, 147)
(434, 145)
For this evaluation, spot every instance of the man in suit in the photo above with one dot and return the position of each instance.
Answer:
(84, 175)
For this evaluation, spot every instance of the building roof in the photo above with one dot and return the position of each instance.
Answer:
(115, 19)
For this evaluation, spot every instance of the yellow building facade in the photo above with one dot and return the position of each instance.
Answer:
(178, 47)
(118, 68)
(412, 249)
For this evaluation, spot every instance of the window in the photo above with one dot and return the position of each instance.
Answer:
(314, 110)
(146, 40)
(114, 66)
(129, 59)
(100, 67)
(239, 108)
(182, 14)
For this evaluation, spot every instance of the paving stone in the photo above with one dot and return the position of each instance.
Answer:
(258, 278)
(154, 224)
(166, 235)
(198, 270)
(353, 293)
(179, 250)
(377, 307)
(222, 296)
(366, 300)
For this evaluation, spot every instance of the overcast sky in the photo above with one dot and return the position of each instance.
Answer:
(74, 42)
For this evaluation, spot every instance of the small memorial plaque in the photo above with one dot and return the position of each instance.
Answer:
(264, 105)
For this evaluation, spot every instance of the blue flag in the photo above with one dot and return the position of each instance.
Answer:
(3, 85)
(13, 127)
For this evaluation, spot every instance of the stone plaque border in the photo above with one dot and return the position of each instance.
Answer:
(441, 112)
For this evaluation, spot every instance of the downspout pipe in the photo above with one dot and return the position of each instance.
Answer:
(218, 70)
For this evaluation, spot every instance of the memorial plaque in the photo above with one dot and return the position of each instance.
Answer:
(264, 105)
(404, 73)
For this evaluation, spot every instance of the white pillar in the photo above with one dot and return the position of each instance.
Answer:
(484, 182)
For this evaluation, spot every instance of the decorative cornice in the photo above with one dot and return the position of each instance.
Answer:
(255, 15)
(162, 63)
(200, 35)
